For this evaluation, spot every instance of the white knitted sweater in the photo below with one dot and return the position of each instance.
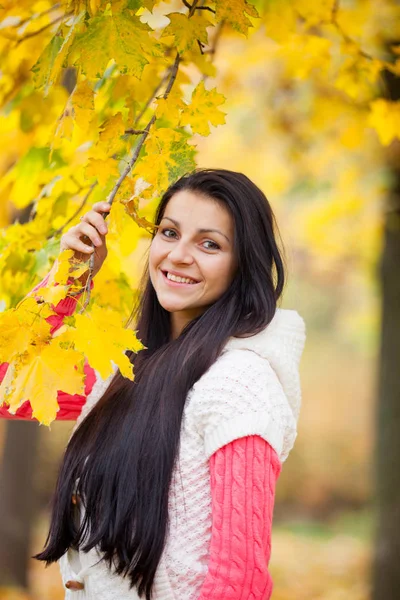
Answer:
(252, 388)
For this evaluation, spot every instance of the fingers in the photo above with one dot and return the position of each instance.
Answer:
(92, 228)
(91, 232)
(95, 217)
(70, 241)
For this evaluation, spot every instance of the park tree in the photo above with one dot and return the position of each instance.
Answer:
(102, 100)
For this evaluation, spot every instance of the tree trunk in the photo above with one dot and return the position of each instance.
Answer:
(17, 501)
(386, 572)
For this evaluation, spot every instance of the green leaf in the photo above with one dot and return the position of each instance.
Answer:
(50, 62)
(43, 66)
(120, 37)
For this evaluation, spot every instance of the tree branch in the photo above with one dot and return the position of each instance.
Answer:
(128, 169)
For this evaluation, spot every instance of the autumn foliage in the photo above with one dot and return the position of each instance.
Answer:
(101, 100)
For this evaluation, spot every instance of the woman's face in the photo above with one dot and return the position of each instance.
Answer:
(203, 256)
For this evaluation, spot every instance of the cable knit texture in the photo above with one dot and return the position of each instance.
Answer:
(243, 477)
(252, 389)
(240, 395)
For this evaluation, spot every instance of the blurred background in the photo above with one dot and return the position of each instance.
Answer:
(307, 139)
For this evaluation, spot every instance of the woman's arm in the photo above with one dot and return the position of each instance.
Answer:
(243, 478)
(70, 405)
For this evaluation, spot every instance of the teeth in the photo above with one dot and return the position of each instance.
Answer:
(180, 279)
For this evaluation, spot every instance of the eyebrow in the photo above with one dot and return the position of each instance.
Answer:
(200, 230)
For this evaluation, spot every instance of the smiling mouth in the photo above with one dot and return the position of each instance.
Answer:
(179, 282)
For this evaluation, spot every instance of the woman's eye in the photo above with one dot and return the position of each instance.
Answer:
(164, 230)
(214, 245)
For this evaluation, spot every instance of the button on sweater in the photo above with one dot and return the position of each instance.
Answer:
(239, 425)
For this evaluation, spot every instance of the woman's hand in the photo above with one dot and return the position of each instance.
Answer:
(91, 228)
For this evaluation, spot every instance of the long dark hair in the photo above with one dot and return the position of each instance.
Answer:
(125, 450)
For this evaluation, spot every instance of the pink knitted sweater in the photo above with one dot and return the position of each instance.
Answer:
(243, 477)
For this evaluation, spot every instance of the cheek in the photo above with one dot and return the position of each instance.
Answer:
(155, 254)
(219, 274)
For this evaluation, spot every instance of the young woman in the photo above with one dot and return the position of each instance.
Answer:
(166, 489)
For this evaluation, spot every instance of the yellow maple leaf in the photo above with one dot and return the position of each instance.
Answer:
(385, 119)
(53, 294)
(63, 268)
(169, 108)
(169, 150)
(101, 337)
(123, 232)
(113, 127)
(109, 138)
(14, 339)
(202, 109)
(233, 12)
(102, 170)
(83, 104)
(28, 313)
(187, 31)
(38, 379)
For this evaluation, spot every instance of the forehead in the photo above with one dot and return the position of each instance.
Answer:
(192, 209)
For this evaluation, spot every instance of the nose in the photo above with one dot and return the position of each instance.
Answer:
(180, 253)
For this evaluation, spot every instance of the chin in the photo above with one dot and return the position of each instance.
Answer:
(170, 307)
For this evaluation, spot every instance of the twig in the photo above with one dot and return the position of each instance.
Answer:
(206, 8)
(150, 100)
(194, 7)
(217, 36)
(135, 131)
(135, 154)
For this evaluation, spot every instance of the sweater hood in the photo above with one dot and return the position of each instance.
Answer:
(281, 343)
